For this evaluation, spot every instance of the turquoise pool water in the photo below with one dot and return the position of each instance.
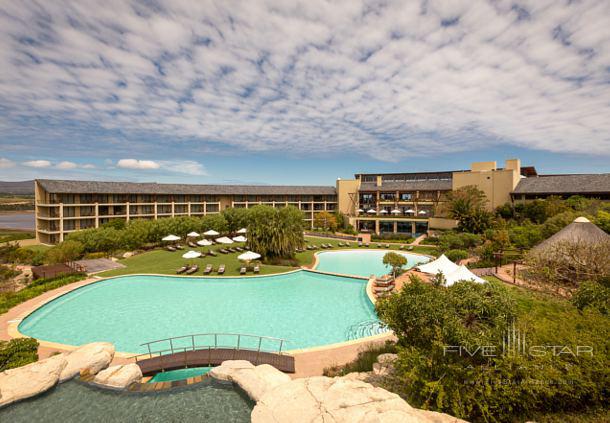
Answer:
(306, 308)
(208, 401)
(361, 262)
(179, 374)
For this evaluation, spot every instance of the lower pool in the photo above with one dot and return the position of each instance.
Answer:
(307, 309)
(361, 262)
(179, 374)
(208, 401)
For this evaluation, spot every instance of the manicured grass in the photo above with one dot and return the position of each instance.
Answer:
(165, 262)
(37, 248)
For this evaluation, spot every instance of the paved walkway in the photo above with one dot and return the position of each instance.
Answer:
(99, 265)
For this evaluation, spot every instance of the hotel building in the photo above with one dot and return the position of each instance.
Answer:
(390, 202)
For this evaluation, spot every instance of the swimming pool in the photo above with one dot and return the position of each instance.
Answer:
(307, 309)
(361, 262)
(208, 401)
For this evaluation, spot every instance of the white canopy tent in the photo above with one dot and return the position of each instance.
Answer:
(249, 256)
(170, 238)
(441, 264)
(242, 231)
(204, 243)
(462, 274)
(211, 232)
(191, 254)
(193, 234)
(224, 240)
(240, 239)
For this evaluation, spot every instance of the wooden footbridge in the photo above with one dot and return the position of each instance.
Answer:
(211, 349)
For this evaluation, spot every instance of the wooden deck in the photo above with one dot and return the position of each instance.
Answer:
(214, 357)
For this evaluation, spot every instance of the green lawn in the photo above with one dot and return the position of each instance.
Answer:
(165, 262)
(37, 248)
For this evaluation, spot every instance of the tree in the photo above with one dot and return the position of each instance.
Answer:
(326, 221)
(236, 218)
(467, 206)
(65, 251)
(395, 261)
(275, 233)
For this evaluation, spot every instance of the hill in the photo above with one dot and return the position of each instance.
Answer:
(17, 188)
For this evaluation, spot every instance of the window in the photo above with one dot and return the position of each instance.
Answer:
(406, 196)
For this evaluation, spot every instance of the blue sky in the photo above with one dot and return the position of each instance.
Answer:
(300, 92)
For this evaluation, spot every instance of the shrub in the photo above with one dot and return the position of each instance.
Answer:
(363, 362)
(456, 240)
(456, 255)
(65, 251)
(37, 287)
(12, 253)
(91, 256)
(594, 295)
(389, 236)
(275, 232)
(18, 352)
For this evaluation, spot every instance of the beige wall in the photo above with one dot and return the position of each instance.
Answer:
(345, 201)
(497, 184)
(441, 223)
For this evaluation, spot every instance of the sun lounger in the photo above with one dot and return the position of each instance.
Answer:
(208, 269)
(239, 249)
(182, 270)
(402, 247)
(387, 246)
(192, 270)
(359, 244)
(410, 248)
(257, 269)
(242, 271)
(192, 244)
(213, 253)
(179, 247)
(367, 245)
(383, 288)
(223, 251)
(170, 248)
(221, 269)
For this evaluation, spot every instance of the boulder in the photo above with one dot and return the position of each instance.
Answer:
(90, 358)
(32, 379)
(338, 400)
(258, 380)
(228, 368)
(128, 254)
(120, 376)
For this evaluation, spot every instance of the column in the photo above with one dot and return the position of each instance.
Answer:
(205, 208)
(412, 227)
(61, 222)
(127, 211)
(395, 227)
(188, 208)
(173, 209)
(155, 209)
(97, 215)
(377, 226)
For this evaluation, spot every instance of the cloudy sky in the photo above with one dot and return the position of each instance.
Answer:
(293, 92)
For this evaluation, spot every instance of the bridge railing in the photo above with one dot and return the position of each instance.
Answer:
(210, 341)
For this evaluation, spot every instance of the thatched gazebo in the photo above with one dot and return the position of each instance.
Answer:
(580, 231)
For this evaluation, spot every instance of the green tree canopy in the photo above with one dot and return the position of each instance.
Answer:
(395, 261)
(275, 233)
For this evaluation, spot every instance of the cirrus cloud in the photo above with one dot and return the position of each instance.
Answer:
(385, 79)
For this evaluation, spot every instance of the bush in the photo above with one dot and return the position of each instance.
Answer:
(456, 255)
(364, 362)
(441, 365)
(458, 241)
(37, 287)
(92, 256)
(12, 253)
(594, 295)
(388, 236)
(65, 251)
(18, 352)
(7, 273)
(275, 232)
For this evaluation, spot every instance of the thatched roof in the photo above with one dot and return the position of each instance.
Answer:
(581, 230)
(565, 184)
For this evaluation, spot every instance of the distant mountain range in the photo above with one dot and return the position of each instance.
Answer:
(17, 188)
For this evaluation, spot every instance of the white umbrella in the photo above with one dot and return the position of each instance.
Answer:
(171, 238)
(191, 254)
(422, 212)
(371, 211)
(204, 242)
(224, 240)
(242, 231)
(410, 211)
(211, 232)
(248, 256)
(193, 234)
(395, 211)
(360, 211)
(384, 211)
(240, 239)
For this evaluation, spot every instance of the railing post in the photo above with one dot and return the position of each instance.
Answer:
(238, 340)
(149, 352)
(258, 352)
(171, 345)
(215, 340)
(193, 341)
(281, 343)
